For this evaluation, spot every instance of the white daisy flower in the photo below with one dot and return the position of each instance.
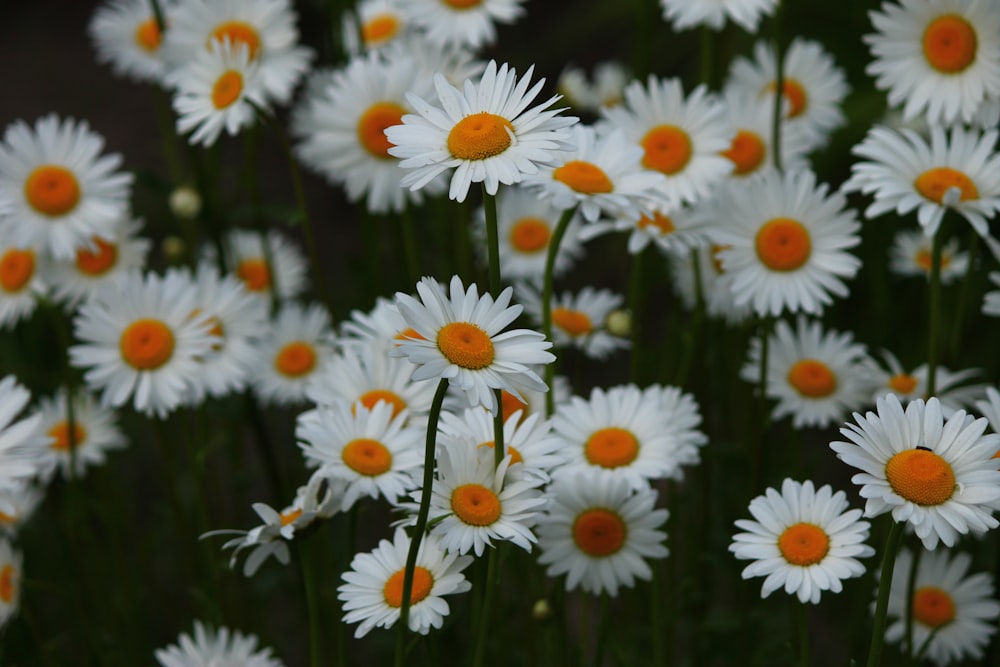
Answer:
(56, 190)
(674, 229)
(605, 89)
(461, 338)
(127, 37)
(487, 132)
(95, 432)
(534, 401)
(382, 327)
(681, 138)
(296, 350)
(467, 23)
(991, 300)
(719, 299)
(21, 282)
(936, 57)
(682, 417)
(752, 148)
(20, 439)
(11, 576)
(622, 430)
(374, 24)
(959, 171)
(142, 339)
(17, 504)
(954, 389)
(372, 591)
(803, 540)
(817, 377)
(786, 243)
(990, 408)
(579, 320)
(209, 647)
(911, 255)
(936, 475)
(280, 267)
(597, 531)
(956, 611)
(685, 14)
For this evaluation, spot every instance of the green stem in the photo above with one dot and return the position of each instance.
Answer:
(927, 642)
(761, 421)
(483, 628)
(911, 585)
(657, 630)
(779, 86)
(635, 294)
(935, 312)
(882, 602)
(803, 623)
(410, 251)
(496, 286)
(604, 624)
(966, 290)
(697, 324)
(161, 23)
(306, 575)
(550, 263)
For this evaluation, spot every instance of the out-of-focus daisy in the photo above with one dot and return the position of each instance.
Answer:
(936, 58)
(95, 432)
(56, 190)
(21, 282)
(597, 531)
(684, 14)
(803, 540)
(605, 89)
(468, 23)
(813, 86)
(297, 348)
(374, 24)
(20, 439)
(221, 646)
(602, 175)
(461, 338)
(990, 408)
(960, 171)
(991, 300)
(127, 37)
(220, 89)
(281, 267)
(142, 339)
(372, 591)
(818, 377)
(681, 138)
(383, 326)
(17, 503)
(937, 475)
(580, 320)
(955, 611)
(752, 148)
(910, 255)
(622, 430)
(534, 401)
(955, 389)
(487, 132)
(719, 299)
(266, 28)
(672, 228)
(682, 418)
(11, 575)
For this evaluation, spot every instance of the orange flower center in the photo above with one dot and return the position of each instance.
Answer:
(148, 36)
(370, 399)
(747, 152)
(60, 433)
(660, 221)
(146, 344)
(295, 359)
(52, 190)
(238, 33)
(935, 183)
(465, 345)
(783, 244)
(7, 585)
(530, 234)
(804, 544)
(479, 136)
(463, 4)
(583, 177)
(227, 89)
(924, 259)
(367, 457)
(668, 149)
(290, 516)
(515, 456)
(16, 268)
(380, 29)
(475, 505)
(509, 404)
(903, 383)
(716, 260)
(950, 44)
(372, 125)
(611, 447)
(423, 581)
(255, 274)
(573, 322)
(921, 476)
(97, 262)
(933, 607)
(599, 532)
(792, 91)
(812, 378)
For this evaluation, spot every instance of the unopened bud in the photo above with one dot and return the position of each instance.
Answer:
(185, 202)
(174, 248)
(542, 610)
(619, 323)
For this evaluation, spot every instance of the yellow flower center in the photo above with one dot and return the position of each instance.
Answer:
(583, 177)
(380, 29)
(146, 344)
(98, 261)
(660, 221)
(423, 582)
(935, 183)
(599, 532)
(16, 268)
(794, 93)
(668, 149)
(933, 607)
(812, 378)
(950, 44)
(611, 447)
(254, 273)
(463, 4)
(8, 587)
(903, 383)
(465, 345)
(227, 89)
(479, 136)
(515, 456)
(148, 36)
(372, 125)
(747, 152)
(52, 190)
(509, 404)
(475, 505)
(295, 359)
(783, 244)
(573, 322)
(921, 476)
(60, 433)
(238, 33)
(367, 457)
(370, 399)
(804, 544)
(530, 234)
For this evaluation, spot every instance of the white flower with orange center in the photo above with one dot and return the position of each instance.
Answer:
(940, 58)
(280, 266)
(486, 132)
(127, 37)
(579, 320)
(141, 339)
(11, 576)
(599, 532)
(680, 137)
(17, 503)
(383, 326)
(465, 23)
(297, 348)
(683, 418)
(372, 591)
(803, 539)
(94, 433)
(958, 171)
(685, 14)
(955, 389)
(265, 28)
(674, 229)
(954, 612)
(719, 300)
(341, 126)
(20, 438)
(215, 646)
(605, 89)
(375, 24)
(56, 190)
(935, 474)
(911, 255)
(21, 282)
(460, 336)
(818, 377)
(752, 148)
(622, 430)
(787, 241)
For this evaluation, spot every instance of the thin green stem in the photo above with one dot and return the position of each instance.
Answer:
(882, 602)
(410, 251)
(657, 630)
(935, 312)
(483, 628)
(161, 23)
(761, 415)
(779, 86)
(927, 642)
(496, 285)
(911, 585)
(604, 625)
(697, 324)
(307, 577)
(966, 290)
(547, 281)
(802, 618)
(636, 293)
